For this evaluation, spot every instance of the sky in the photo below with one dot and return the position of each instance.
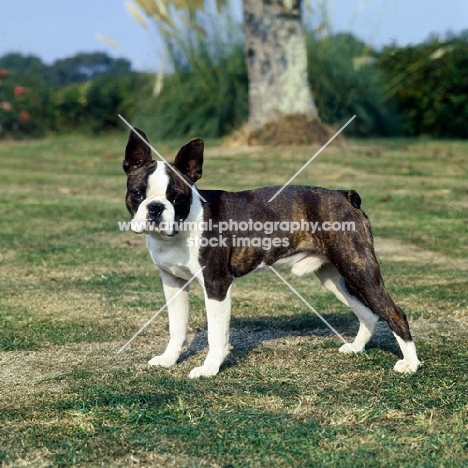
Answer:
(54, 29)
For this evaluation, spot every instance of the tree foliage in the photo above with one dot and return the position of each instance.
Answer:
(23, 64)
(84, 67)
(77, 69)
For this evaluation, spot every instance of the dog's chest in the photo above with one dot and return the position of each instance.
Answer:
(174, 255)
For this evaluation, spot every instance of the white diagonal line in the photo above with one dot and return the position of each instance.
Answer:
(125, 346)
(312, 158)
(313, 310)
(129, 125)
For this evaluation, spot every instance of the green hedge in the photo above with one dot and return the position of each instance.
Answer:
(428, 84)
(92, 106)
(417, 90)
(85, 92)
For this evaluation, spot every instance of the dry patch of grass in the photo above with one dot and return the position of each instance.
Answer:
(397, 251)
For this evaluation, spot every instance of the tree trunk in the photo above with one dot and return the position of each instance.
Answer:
(275, 46)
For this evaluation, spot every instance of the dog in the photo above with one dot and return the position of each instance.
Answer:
(161, 197)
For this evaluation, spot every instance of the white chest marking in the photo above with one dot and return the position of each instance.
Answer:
(176, 254)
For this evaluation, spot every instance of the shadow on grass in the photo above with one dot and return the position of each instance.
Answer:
(246, 334)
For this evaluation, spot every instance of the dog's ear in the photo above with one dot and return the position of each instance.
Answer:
(137, 152)
(189, 159)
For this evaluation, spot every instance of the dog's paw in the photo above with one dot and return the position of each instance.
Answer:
(164, 360)
(204, 371)
(351, 348)
(406, 367)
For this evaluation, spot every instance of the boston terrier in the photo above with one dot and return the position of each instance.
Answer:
(225, 235)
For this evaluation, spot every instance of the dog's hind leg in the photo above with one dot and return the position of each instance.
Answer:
(361, 273)
(334, 282)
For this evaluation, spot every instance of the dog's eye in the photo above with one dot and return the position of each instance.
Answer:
(178, 199)
(137, 195)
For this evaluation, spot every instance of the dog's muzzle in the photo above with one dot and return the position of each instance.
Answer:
(155, 210)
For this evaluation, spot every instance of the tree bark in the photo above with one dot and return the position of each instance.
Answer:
(275, 46)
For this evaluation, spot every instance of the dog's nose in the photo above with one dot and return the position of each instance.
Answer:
(155, 209)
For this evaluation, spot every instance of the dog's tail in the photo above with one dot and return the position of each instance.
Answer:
(354, 200)
(353, 197)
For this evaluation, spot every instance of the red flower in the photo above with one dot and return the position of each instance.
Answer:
(18, 90)
(6, 106)
(24, 116)
(3, 73)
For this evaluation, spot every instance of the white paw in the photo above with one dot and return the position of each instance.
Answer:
(351, 348)
(165, 360)
(204, 371)
(406, 367)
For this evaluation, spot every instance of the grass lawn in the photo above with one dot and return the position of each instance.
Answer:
(74, 289)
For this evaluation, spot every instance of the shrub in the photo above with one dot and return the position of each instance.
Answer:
(95, 105)
(23, 103)
(92, 90)
(345, 81)
(429, 85)
(107, 97)
(67, 107)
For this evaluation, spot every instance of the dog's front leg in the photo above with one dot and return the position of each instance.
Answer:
(218, 314)
(178, 310)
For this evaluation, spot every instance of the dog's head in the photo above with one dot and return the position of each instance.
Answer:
(159, 195)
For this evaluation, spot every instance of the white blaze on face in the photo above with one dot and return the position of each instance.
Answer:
(158, 182)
